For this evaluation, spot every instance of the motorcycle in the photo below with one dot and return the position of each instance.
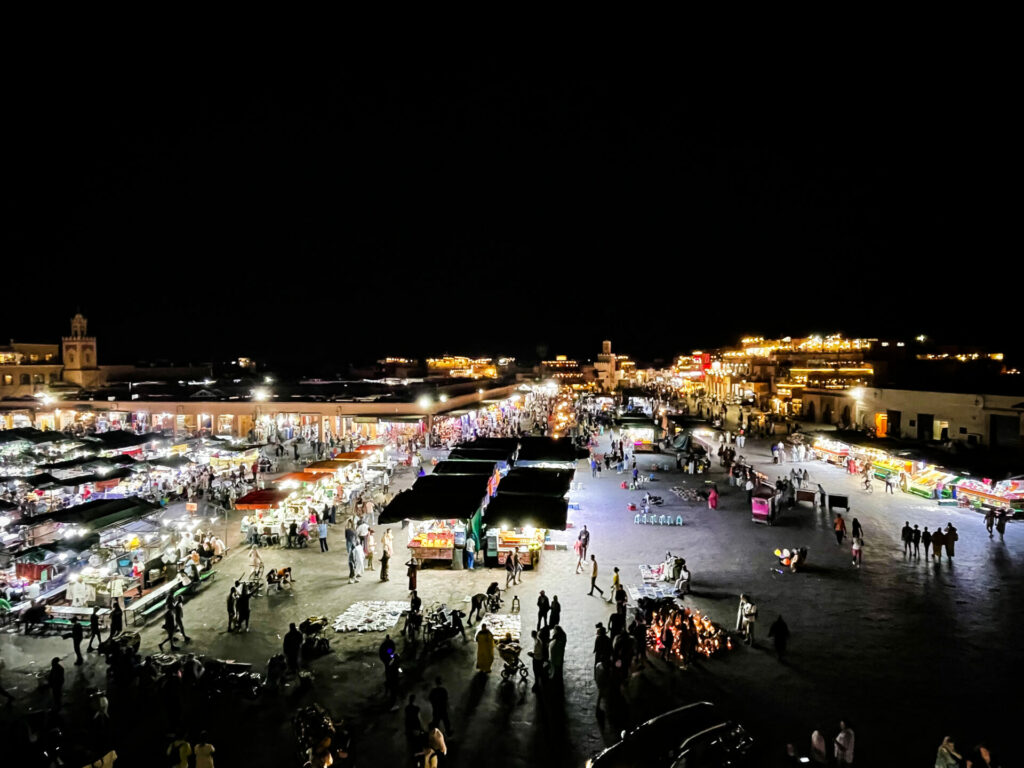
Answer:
(655, 501)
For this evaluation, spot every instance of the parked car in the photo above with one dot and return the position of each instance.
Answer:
(695, 736)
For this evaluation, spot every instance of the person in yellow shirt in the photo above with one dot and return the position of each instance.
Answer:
(593, 577)
(616, 583)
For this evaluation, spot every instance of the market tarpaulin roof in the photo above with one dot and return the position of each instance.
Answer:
(517, 511)
(465, 468)
(118, 439)
(267, 498)
(533, 481)
(549, 449)
(173, 461)
(421, 505)
(510, 444)
(100, 513)
(453, 484)
(480, 454)
(352, 455)
(302, 477)
(367, 448)
(330, 465)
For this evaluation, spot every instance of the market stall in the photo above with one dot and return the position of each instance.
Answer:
(518, 525)
(439, 521)
(1006, 495)
(930, 483)
(832, 451)
(642, 434)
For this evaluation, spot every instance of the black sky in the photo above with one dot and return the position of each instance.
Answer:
(312, 214)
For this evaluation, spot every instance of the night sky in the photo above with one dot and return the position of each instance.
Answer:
(316, 215)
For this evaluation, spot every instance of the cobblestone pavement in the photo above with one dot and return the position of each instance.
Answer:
(907, 650)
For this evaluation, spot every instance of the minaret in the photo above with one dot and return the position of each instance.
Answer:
(79, 353)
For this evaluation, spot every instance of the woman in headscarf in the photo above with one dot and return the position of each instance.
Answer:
(484, 649)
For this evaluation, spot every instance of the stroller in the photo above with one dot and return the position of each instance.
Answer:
(509, 651)
(314, 642)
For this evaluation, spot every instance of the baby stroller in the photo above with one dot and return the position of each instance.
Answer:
(314, 642)
(509, 651)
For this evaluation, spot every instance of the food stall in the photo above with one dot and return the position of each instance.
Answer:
(832, 451)
(518, 525)
(438, 522)
(931, 482)
(642, 434)
(1006, 495)
(762, 505)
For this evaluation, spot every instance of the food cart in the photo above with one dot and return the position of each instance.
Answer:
(1006, 495)
(762, 505)
(832, 451)
(438, 522)
(518, 524)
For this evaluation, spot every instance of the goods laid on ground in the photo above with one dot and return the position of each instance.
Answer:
(370, 616)
(689, 494)
(502, 623)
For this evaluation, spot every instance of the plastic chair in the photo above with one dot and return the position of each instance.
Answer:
(661, 520)
(679, 519)
(636, 520)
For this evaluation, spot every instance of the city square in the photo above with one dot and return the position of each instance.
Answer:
(350, 428)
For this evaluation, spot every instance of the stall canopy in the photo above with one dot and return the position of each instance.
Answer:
(266, 498)
(100, 513)
(41, 480)
(351, 455)
(72, 463)
(118, 440)
(330, 465)
(481, 454)
(453, 485)
(34, 436)
(423, 505)
(550, 449)
(368, 448)
(300, 477)
(532, 481)
(518, 511)
(465, 468)
(510, 444)
(6, 505)
(173, 461)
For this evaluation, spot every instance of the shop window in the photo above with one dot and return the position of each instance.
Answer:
(25, 380)
(38, 378)
(8, 380)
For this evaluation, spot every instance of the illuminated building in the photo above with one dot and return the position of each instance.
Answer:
(563, 370)
(463, 367)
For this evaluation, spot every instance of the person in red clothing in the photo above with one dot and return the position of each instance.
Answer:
(839, 525)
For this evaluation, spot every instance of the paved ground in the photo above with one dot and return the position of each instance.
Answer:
(905, 650)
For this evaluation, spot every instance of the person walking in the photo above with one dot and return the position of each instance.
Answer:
(749, 619)
(470, 551)
(203, 751)
(55, 681)
(739, 612)
(510, 569)
(232, 598)
(938, 540)
(360, 557)
(584, 540)
(951, 537)
(116, 621)
(543, 606)
(990, 521)
(242, 608)
(321, 529)
(856, 548)
(578, 549)
(779, 633)
(907, 537)
(292, 646)
(915, 538)
(169, 626)
(369, 546)
(484, 649)
(352, 565)
(439, 716)
(926, 540)
(179, 618)
(947, 756)
(94, 628)
(844, 745)
(593, 577)
(539, 655)
(839, 526)
(555, 612)
(178, 753)
(386, 552)
(76, 635)
(1001, 523)
(556, 652)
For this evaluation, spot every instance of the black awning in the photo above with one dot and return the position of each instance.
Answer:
(515, 511)
(417, 505)
(534, 481)
(480, 454)
(465, 468)
(453, 485)
(549, 449)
